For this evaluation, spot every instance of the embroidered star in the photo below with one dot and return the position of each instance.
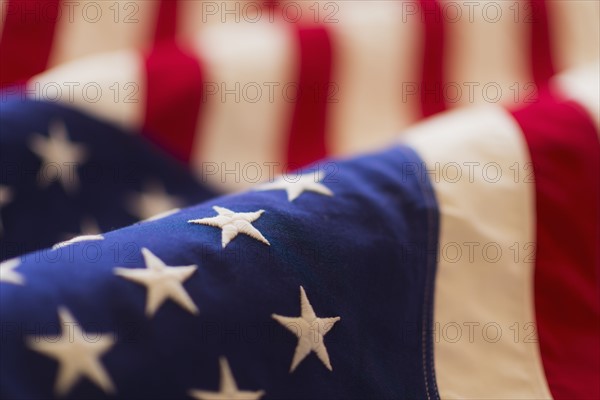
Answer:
(77, 239)
(228, 389)
(6, 196)
(306, 183)
(232, 223)
(162, 282)
(154, 201)
(60, 158)
(78, 356)
(310, 331)
(8, 273)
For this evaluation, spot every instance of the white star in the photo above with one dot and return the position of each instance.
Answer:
(233, 223)
(60, 158)
(154, 201)
(228, 389)
(77, 352)
(310, 331)
(162, 282)
(308, 182)
(8, 273)
(77, 239)
(6, 196)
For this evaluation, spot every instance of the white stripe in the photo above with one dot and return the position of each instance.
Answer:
(376, 50)
(89, 27)
(491, 215)
(583, 86)
(249, 124)
(487, 53)
(107, 86)
(574, 32)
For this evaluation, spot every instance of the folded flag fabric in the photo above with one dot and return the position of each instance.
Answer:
(460, 264)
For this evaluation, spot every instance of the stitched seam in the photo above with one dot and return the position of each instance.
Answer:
(427, 359)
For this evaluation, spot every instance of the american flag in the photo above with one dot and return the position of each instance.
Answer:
(244, 200)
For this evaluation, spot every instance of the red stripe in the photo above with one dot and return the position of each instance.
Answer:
(174, 97)
(166, 23)
(541, 52)
(566, 159)
(432, 77)
(307, 134)
(27, 39)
